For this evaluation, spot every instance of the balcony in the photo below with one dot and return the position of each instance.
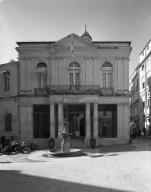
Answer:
(74, 89)
(41, 92)
(79, 90)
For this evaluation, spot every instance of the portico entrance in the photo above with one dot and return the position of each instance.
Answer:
(75, 115)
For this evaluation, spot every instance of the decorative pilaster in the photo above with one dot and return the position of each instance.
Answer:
(95, 120)
(60, 117)
(52, 121)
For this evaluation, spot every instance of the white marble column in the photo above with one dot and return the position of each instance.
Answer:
(60, 117)
(87, 120)
(95, 120)
(52, 121)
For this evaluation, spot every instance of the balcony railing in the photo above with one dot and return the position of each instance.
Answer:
(79, 90)
(74, 89)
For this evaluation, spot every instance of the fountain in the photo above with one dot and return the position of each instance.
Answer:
(65, 151)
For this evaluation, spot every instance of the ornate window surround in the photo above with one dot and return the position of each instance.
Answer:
(41, 75)
(107, 73)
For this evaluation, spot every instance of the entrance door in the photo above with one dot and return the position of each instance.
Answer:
(77, 124)
(76, 118)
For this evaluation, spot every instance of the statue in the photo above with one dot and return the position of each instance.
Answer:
(65, 145)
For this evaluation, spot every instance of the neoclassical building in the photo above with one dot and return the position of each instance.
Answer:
(74, 80)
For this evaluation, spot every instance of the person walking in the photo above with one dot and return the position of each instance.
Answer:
(133, 131)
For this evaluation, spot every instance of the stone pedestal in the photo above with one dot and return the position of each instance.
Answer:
(65, 146)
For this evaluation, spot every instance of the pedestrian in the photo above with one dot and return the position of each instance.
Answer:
(139, 133)
(133, 131)
(144, 131)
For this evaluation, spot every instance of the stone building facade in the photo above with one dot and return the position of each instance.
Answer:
(135, 105)
(74, 80)
(143, 71)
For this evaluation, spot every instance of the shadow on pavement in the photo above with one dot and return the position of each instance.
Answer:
(15, 181)
(136, 145)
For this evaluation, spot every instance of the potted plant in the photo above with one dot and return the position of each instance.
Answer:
(92, 142)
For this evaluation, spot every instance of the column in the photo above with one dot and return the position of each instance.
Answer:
(126, 120)
(52, 121)
(60, 117)
(95, 120)
(120, 121)
(88, 120)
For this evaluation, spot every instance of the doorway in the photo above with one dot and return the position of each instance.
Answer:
(76, 119)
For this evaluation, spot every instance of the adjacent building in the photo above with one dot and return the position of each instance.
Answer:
(74, 80)
(135, 108)
(141, 90)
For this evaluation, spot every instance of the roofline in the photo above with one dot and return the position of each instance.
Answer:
(129, 42)
(35, 42)
(145, 46)
(50, 42)
(8, 63)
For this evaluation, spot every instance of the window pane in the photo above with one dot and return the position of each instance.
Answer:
(8, 122)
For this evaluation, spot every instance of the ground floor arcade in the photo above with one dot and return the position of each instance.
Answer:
(105, 120)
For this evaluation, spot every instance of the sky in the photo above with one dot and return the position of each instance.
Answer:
(51, 20)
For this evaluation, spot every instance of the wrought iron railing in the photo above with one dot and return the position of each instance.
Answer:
(41, 91)
(73, 89)
(79, 90)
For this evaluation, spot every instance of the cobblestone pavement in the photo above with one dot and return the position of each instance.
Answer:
(120, 168)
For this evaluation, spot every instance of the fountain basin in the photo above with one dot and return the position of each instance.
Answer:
(72, 153)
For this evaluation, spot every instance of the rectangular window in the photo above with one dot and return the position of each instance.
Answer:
(143, 85)
(6, 83)
(8, 122)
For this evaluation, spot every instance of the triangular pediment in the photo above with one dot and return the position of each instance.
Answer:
(74, 41)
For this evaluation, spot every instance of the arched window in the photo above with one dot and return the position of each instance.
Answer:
(74, 74)
(6, 80)
(42, 75)
(107, 72)
(8, 122)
